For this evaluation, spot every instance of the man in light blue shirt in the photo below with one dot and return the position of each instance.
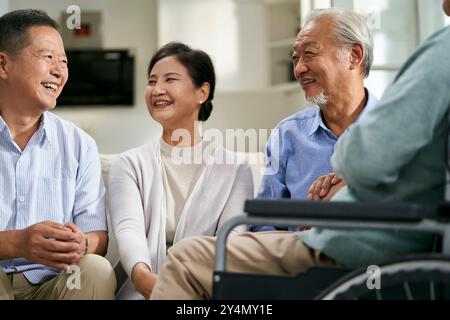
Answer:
(52, 214)
(301, 146)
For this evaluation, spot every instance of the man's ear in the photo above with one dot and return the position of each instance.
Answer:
(357, 55)
(3, 65)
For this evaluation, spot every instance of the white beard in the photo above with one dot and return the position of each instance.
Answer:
(319, 100)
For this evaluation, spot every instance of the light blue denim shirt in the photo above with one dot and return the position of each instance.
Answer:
(298, 152)
(56, 177)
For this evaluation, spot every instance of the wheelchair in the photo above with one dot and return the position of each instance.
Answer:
(414, 277)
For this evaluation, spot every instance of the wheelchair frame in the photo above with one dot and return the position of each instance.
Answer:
(334, 215)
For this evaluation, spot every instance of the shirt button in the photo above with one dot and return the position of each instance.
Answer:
(21, 199)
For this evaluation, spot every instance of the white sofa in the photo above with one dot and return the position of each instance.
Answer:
(257, 164)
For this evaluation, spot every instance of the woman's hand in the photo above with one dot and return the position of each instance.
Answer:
(325, 187)
(143, 279)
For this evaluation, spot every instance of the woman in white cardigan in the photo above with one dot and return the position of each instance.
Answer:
(179, 185)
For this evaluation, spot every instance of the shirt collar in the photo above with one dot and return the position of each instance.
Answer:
(47, 127)
(2, 124)
(370, 104)
(318, 120)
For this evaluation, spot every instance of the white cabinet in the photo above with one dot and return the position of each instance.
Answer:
(282, 23)
(250, 41)
(4, 7)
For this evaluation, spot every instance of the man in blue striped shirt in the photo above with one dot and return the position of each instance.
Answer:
(52, 215)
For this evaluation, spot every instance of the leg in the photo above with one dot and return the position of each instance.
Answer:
(6, 290)
(97, 281)
(187, 272)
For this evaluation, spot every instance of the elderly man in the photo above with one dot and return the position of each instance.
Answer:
(400, 148)
(332, 55)
(395, 151)
(52, 214)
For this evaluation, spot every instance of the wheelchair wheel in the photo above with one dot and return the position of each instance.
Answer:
(415, 278)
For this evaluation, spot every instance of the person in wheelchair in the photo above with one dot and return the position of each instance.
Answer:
(331, 71)
(395, 152)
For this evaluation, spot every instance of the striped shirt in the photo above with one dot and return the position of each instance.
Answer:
(56, 177)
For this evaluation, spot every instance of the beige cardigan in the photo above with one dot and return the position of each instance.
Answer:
(137, 202)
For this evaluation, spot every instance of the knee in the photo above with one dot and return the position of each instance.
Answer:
(98, 275)
(199, 247)
(183, 245)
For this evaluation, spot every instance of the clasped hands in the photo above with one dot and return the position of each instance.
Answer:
(52, 244)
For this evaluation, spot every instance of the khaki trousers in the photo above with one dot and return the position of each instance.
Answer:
(187, 272)
(96, 281)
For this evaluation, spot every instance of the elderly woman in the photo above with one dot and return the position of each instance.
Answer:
(179, 185)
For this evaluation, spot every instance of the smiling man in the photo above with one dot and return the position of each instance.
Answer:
(52, 213)
(332, 55)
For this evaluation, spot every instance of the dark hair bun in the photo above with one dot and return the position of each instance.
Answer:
(205, 110)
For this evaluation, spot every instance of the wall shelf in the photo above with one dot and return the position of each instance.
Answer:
(282, 23)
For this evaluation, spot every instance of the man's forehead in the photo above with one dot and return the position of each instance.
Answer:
(44, 33)
(318, 26)
(313, 34)
(45, 39)
(306, 42)
(310, 26)
(45, 47)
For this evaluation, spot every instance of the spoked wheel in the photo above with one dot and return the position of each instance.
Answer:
(415, 278)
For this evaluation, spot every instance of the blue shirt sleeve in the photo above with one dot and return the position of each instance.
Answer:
(273, 184)
(89, 205)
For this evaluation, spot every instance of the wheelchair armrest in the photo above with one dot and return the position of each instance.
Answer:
(361, 211)
(444, 210)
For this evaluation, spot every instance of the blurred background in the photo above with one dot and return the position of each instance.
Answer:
(250, 42)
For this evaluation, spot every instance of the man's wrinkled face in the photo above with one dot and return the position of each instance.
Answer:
(38, 72)
(320, 64)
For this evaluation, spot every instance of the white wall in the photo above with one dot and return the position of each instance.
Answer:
(431, 17)
(4, 6)
(133, 24)
(253, 110)
(231, 31)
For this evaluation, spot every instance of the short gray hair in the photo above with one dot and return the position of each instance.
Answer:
(350, 28)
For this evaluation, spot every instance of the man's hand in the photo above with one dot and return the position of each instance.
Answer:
(143, 279)
(48, 243)
(79, 240)
(334, 189)
(325, 187)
